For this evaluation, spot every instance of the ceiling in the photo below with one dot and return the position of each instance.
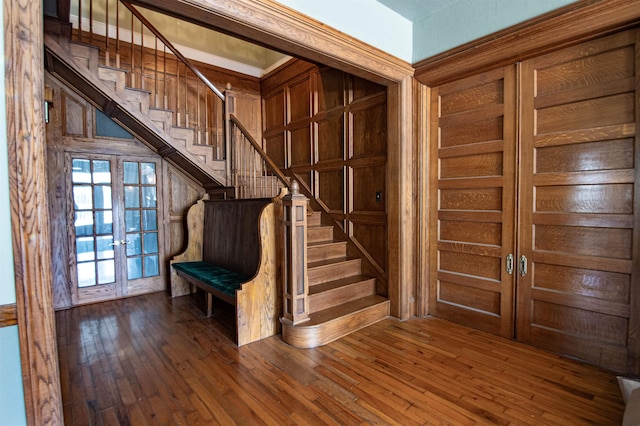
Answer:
(415, 10)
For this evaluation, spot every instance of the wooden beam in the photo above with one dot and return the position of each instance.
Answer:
(24, 85)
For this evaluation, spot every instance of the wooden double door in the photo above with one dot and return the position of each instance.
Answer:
(535, 204)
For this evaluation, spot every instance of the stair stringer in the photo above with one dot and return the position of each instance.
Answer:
(129, 108)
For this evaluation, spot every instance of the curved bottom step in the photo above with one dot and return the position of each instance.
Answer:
(331, 324)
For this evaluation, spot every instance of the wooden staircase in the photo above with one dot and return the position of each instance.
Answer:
(341, 299)
(77, 65)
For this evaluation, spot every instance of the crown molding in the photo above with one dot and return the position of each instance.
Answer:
(569, 25)
(281, 28)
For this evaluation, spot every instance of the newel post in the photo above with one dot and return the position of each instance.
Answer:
(295, 288)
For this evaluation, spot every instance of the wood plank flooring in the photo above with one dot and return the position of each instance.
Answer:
(151, 360)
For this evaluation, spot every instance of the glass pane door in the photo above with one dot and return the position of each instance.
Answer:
(93, 222)
(116, 240)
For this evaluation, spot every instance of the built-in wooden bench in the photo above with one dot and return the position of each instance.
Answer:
(231, 255)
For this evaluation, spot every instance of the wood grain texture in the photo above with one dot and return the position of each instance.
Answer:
(473, 159)
(193, 250)
(8, 315)
(568, 25)
(175, 366)
(24, 91)
(583, 190)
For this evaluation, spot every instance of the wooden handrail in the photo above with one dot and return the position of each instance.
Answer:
(274, 167)
(175, 51)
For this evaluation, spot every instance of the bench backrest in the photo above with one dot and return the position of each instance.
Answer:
(231, 238)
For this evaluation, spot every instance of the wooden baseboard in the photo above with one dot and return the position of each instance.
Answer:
(8, 315)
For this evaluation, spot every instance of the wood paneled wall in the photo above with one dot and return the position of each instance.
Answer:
(72, 129)
(329, 130)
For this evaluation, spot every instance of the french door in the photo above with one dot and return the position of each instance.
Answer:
(535, 202)
(115, 242)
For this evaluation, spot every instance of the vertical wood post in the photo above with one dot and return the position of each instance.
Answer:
(295, 288)
(229, 108)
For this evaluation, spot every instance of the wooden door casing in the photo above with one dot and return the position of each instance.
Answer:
(580, 202)
(473, 152)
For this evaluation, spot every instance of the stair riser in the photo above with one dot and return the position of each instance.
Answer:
(314, 219)
(329, 251)
(335, 297)
(315, 235)
(334, 271)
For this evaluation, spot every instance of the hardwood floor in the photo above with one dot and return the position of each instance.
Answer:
(154, 360)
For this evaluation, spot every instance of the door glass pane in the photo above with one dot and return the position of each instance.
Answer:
(148, 172)
(134, 245)
(131, 197)
(134, 268)
(131, 172)
(84, 249)
(83, 224)
(150, 221)
(82, 198)
(105, 247)
(104, 222)
(151, 266)
(101, 171)
(102, 195)
(81, 171)
(106, 272)
(86, 274)
(150, 243)
(132, 220)
(148, 196)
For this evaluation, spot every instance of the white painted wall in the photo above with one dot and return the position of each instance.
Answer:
(12, 408)
(366, 20)
(466, 20)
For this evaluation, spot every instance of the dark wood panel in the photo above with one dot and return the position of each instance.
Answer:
(331, 139)
(471, 199)
(472, 132)
(612, 199)
(330, 89)
(300, 146)
(233, 227)
(605, 155)
(599, 242)
(471, 264)
(471, 166)
(372, 238)
(299, 100)
(369, 183)
(486, 301)
(369, 130)
(330, 189)
(598, 284)
(273, 111)
(472, 232)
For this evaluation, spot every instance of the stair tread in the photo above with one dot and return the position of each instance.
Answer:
(324, 243)
(332, 261)
(109, 67)
(345, 309)
(342, 282)
(137, 90)
(160, 109)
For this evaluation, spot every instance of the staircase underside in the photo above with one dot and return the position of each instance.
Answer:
(61, 64)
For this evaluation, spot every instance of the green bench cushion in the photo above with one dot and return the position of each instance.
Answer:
(221, 279)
